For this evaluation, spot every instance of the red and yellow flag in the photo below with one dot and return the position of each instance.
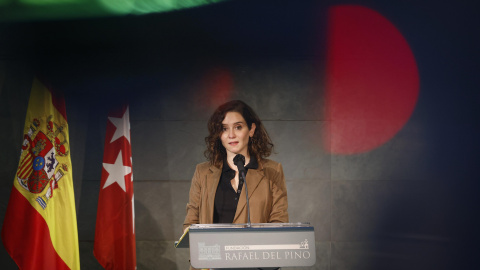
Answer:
(40, 226)
(114, 245)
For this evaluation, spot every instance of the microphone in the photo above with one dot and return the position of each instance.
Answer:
(239, 161)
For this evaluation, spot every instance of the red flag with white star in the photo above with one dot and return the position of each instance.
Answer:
(114, 245)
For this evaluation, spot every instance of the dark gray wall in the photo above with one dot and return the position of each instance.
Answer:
(409, 204)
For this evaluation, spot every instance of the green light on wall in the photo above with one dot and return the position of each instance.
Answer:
(48, 2)
(149, 6)
(22, 10)
(5, 2)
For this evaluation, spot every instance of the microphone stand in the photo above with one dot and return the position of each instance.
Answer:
(239, 160)
(242, 174)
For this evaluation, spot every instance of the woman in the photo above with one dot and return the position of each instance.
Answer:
(216, 191)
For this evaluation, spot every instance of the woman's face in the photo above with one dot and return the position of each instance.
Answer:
(236, 134)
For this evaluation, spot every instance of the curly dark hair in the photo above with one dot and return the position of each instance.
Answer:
(259, 145)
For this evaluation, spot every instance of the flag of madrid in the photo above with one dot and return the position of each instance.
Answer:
(114, 245)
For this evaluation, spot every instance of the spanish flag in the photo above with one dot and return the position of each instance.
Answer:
(40, 226)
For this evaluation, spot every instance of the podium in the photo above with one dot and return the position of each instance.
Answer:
(262, 245)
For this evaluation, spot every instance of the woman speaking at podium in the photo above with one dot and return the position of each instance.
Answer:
(236, 135)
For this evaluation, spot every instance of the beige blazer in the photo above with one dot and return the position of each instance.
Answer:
(266, 190)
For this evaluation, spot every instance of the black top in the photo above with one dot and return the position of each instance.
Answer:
(226, 199)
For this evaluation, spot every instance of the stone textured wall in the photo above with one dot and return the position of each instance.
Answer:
(408, 204)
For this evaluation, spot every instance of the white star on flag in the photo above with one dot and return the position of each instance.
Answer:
(117, 172)
(122, 125)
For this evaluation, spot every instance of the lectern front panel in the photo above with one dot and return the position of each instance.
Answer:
(256, 246)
